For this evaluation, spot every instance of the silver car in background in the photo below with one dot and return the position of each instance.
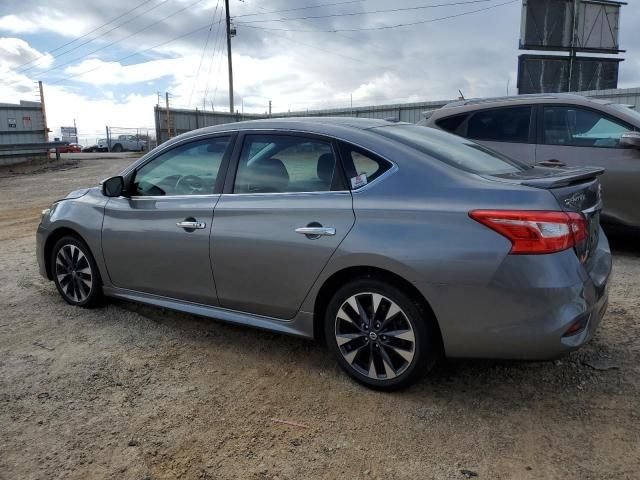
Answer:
(394, 243)
(559, 130)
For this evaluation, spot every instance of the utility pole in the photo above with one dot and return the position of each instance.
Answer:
(572, 50)
(231, 109)
(269, 108)
(44, 113)
(75, 129)
(166, 99)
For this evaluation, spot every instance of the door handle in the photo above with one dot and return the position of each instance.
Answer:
(191, 225)
(316, 231)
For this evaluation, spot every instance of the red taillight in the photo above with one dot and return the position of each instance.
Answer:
(533, 232)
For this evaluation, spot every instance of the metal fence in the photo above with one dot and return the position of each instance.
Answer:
(177, 121)
(21, 123)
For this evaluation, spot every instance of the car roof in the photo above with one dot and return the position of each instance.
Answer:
(321, 125)
(528, 99)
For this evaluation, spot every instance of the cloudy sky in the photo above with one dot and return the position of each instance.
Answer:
(310, 54)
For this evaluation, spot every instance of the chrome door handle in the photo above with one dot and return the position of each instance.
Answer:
(316, 231)
(191, 225)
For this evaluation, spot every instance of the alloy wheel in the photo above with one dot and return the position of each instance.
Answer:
(375, 336)
(73, 272)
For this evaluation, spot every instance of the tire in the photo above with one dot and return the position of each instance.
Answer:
(117, 148)
(75, 272)
(399, 359)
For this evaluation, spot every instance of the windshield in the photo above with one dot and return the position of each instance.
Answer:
(628, 110)
(451, 149)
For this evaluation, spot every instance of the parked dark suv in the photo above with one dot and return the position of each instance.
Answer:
(559, 130)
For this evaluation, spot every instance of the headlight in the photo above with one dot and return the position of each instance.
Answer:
(45, 213)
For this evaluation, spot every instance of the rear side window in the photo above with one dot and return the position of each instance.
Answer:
(501, 125)
(361, 166)
(451, 149)
(452, 124)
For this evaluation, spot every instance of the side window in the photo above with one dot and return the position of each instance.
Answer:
(282, 163)
(501, 125)
(580, 127)
(189, 169)
(451, 124)
(361, 166)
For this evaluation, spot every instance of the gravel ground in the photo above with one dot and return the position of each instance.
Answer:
(135, 392)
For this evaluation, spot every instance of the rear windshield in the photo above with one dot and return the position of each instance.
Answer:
(451, 149)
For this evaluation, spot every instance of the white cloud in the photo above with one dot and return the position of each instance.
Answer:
(15, 52)
(43, 19)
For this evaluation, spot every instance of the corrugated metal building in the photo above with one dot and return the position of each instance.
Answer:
(21, 124)
(182, 121)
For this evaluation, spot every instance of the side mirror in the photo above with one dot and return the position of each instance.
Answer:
(630, 139)
(113, 187)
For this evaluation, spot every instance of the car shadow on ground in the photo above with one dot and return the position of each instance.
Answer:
(460, 381)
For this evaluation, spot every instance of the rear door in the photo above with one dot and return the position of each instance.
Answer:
(508, 130)
(284, 212)
(579, 136)
(156, 239)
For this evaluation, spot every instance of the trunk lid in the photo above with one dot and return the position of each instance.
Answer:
(576, 189)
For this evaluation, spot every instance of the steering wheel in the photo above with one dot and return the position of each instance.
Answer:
(189, 184)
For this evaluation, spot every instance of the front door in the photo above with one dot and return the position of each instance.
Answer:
(156, 240)
(285, 213)
(578, 136)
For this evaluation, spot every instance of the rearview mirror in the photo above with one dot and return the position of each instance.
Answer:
(113, 187)
(630, 139)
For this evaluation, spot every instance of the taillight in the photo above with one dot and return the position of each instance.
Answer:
(534, 232)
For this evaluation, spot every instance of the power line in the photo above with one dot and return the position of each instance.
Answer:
(88, 33)
(139, 52)
(389, 10)
(206, 44)
(386, 27)
(299, 8)
(99, 36)
(216, 48)
(120, 40)
(206, 90)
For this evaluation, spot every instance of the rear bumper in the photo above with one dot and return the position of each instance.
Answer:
(526, 309)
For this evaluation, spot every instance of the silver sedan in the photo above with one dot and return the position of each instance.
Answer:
(396, 244)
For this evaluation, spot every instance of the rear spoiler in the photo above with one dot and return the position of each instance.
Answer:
(565, 177)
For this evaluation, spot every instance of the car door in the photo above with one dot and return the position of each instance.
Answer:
(156, 239)
(284, 212)
(581, 136)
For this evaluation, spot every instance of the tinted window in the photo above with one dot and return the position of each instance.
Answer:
(280, 163)
(451, 149)
(501, 125)
(362, 164)
(580, 127)
(189, 169)
(451, 124)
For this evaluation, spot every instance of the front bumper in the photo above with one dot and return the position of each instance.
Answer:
(526, 309)
(41, 238)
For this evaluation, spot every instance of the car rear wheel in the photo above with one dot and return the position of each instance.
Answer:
(381, 337)
(75, 272)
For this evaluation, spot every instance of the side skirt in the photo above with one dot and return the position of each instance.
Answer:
(300, 326)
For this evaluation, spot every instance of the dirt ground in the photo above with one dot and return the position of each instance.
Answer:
(135, 392)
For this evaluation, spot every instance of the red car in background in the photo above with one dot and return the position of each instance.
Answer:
(71, 148)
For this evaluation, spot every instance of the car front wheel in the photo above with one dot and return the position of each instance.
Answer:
(75, 272)
(382, 337)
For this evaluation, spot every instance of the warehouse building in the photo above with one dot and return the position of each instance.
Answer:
(179, 121)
